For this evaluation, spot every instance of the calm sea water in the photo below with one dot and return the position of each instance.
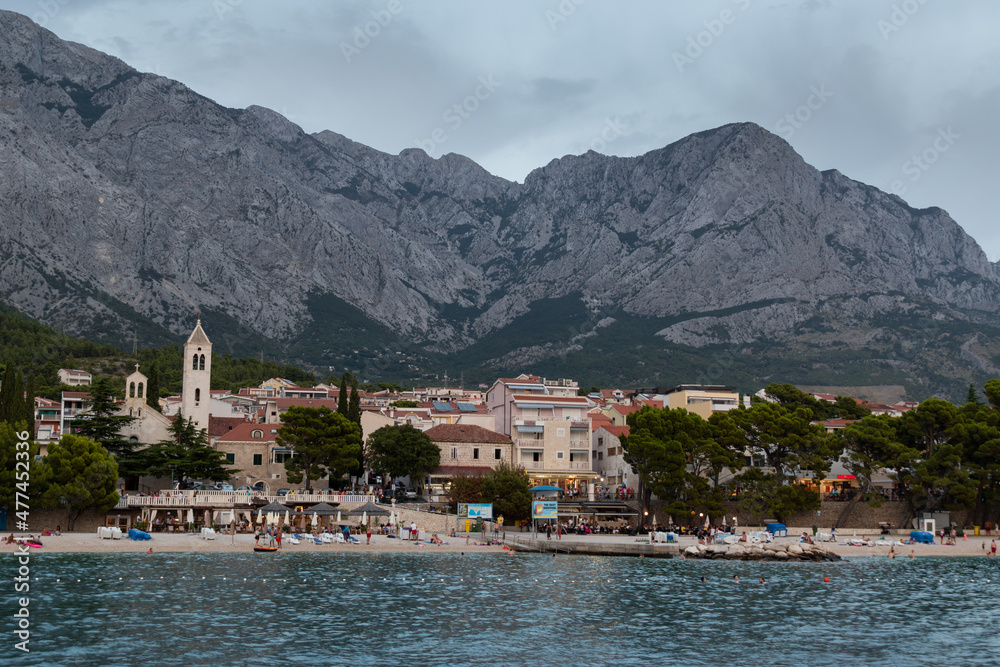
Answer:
(436, 609)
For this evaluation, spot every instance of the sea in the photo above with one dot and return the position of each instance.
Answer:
(486, 608)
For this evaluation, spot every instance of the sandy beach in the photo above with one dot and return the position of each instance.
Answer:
(175, 542)
(169, 542)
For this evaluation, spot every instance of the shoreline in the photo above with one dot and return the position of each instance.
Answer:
(79, 542)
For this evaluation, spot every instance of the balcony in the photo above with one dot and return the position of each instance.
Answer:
(532, 465)
(579, 465)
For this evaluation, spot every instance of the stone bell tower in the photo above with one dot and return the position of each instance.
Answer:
(196, 394)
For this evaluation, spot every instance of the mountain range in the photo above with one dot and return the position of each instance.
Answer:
(129, 203)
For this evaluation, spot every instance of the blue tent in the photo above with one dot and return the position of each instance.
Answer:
(138, 535)
(775, 528)
(921, 537)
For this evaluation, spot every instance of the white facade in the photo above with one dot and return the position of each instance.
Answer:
(196, 395)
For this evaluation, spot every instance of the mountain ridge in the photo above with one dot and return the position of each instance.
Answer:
(140, 201)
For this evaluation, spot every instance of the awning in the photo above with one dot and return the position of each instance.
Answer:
(524, 428)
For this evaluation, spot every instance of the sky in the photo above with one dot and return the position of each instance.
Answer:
(900, 94)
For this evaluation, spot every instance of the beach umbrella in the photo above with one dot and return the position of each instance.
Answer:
(260, 515)
(190, 516)
(338, 517)
(364, 517)
(315, 520)
(286, 516)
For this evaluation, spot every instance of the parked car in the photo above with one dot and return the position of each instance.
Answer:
(283, 492)
(223, 486)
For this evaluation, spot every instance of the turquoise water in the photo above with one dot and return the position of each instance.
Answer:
(436, 609)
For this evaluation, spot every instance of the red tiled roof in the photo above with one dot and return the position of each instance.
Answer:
(222, 425)
(464, 433)
(241, 433)
(626, 409)
(617, 431)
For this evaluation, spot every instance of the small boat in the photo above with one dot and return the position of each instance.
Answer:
(265, 549)
(34, 545)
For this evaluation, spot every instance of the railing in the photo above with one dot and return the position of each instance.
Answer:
(581, 465)
(231, 498)
(532, 465)
(579, 444)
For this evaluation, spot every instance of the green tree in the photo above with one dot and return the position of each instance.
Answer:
(676, 455)
(188, 455)
(17, 402)
(977, 432)
(402, 451)
(153, 386)
(102, 424)
(992, 391)
(465, 489)
(786, 438)
(342, 395)
(15, 469)
(506, 486)
(323, 443)
(872, 445)
(926, 426)
(765, 495)
(940, 480)
(77, 475)
(354, 404)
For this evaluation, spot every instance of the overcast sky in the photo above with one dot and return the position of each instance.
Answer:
(901, 94)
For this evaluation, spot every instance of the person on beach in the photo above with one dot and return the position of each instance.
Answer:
(993, 548)
(277, 536)
(150, 551)
(368, 535)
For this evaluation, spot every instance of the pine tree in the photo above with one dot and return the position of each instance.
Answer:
(102, 424)
(29, 400)
(153, 386)
(354, 407)
(7, 411)
(342, 396)
(188, 455)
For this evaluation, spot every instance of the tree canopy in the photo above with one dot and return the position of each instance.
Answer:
(187, 455)
(103, 424)
(402, 451)
(323, 442)
(77, 475)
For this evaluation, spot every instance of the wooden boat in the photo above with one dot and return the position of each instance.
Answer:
(265, 549)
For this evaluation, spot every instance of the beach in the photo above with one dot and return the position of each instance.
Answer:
(79, 542)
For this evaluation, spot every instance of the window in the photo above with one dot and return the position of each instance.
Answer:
(280, 456)
(197, 396)
(600, 456)
(256, 434)
(559, 455)
(258, 459)
(475, 453)
(194, 363)
(497, 453)
(600, 442)
(131, 389)
(560, 433)
(139, 394)
(536, 456)
(201, 363)
(454, 452)
(230, 458)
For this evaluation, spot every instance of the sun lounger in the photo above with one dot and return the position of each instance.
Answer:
(208, 534)
(292, 540)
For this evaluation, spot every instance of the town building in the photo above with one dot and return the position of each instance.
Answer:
(466, 449)
(74, 378)
(550, 428)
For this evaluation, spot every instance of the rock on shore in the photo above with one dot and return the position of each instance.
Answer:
(785, 552)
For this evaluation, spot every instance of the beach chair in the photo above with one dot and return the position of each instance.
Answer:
(339, 538)
(325, 538)
(292, 540)
(116, 533)
(316, 540)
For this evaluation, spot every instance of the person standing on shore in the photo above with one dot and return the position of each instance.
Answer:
(993, 548)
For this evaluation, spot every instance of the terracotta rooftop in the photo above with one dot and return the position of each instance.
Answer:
(464, 433)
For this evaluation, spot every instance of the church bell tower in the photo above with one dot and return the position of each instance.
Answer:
(196, 395)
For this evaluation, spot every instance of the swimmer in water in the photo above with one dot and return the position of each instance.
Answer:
(736, 578)
(762, 580)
